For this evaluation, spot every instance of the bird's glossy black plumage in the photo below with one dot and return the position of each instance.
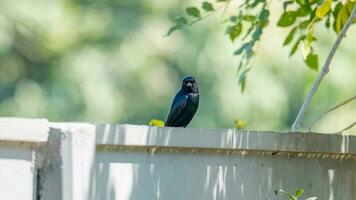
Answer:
(185, 104)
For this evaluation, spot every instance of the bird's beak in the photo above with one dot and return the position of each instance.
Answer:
(189, 85)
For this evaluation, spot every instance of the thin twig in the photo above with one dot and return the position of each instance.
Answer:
(297, 123)
(330, 110)
(347, 128)
(206, 16)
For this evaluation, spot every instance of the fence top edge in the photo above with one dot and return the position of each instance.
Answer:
(140, 135)
(22, 129)
(37, 130)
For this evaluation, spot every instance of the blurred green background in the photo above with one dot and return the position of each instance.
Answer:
(108, 61)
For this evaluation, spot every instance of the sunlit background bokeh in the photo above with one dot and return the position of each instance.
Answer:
(108, 61)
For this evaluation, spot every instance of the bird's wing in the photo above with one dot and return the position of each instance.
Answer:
(178, 105)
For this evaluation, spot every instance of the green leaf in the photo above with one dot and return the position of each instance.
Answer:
(312, 61)
(245, 47)
(350, 5)
(300, 2)
(327, 22)
(239, 124)
(296, 45)
(234, 31)
(294, 48)
(257, 34)
(254, 3)
(240, 67)
(287, 18)
(337, 9)
(156, 122)
(289, 37)
(249, 53)
(249, 18)
(286, 4)
(304, 11)
(233, 18)
(193, 11)
(342, 17)
(181, 21)
(290, 196)
(207, 6)
(172, 29)
(263, 15)
(307, 47)
(304, 24)
(299, 192)
(263, 23)
(242, 83)
(242, 79)
(323, 9)
(311, 2)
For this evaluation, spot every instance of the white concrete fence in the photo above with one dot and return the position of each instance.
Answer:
(40, 160)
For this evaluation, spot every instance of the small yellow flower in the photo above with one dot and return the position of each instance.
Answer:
(156, 122)
(239, 124)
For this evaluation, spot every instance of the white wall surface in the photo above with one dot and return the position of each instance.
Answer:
(19, 139)
(216, 176)
(80, 161)
(139, 162)
(17, 173)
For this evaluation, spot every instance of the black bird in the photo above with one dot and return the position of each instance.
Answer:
(185, 104)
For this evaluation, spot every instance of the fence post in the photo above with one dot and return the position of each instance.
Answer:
(67, 162)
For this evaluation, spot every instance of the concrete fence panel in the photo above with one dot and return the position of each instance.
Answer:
(77, 161)
(19, 141)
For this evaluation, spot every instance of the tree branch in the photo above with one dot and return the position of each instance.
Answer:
(348, 127)
(330, 110)
(211, 13)
(297, 123)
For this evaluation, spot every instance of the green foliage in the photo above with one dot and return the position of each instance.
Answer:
(301, 16)
(172, 29)
(156, 122)
(288, 18)
(290, 36)
(341, 14)
(207, 6)
(298, 193)
(254, 25)
(239, 124)
(323, 9)
(102, 62)
(234, 31)
(193, 11)
(312, 61)
(181, 21)
(193, 15)
(305, 17)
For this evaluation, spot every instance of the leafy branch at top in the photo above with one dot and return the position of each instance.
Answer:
(304, 15)
(252, 16)
(297, 122)
(254, 24)
(194, 15)
(247, 24)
